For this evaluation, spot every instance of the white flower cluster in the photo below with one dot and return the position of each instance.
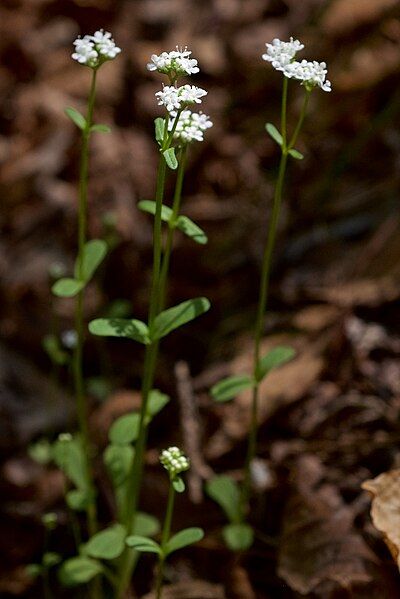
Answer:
(310, 73)
(174, 64)
(93, 50)
(190, 126)
(174, 461)
(176, 98)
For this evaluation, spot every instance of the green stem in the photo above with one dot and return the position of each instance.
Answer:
(301, 118)
(166, 531)
(284, 112)
(81, 405)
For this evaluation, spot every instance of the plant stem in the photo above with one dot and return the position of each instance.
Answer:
(264, 285)
(81, 405)
(166, 531)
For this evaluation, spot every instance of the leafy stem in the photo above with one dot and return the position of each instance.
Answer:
(166, 531)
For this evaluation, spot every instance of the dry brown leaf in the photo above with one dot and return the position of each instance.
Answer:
(385, 509)
(192, 589)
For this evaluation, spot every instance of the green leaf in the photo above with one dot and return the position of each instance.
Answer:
(179, 315)
(230, 387)
(274, 133)
(76, 117)
(33, 570)
(70, 458)
(106, 544)
(78, 499)
(296, 154)
(50, 559)
(273, 359)
(41, 451)
(121, 327)
(100, 128)
(185, 537)
(145, 525)
(125, 429)
(118, 460)
(149, 206)
(156, 402)
(178, 484)
(78, 570)
(143, 544)
(51, 345)
(238, 537)
(67, 287)
(94, 252)
(190, 229)
(170, 158)
(159, 125)
(225, 491)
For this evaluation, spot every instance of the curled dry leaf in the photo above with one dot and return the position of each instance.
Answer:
(385, 509)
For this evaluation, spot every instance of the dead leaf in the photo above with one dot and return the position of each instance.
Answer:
(193, 589)
(385, 509)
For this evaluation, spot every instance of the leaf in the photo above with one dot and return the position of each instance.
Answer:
(225, 491)
(76, 117)
(179, 315)
(185, 537)
(296, 154)
(230, 387)
(143, 544)
(156, 402)
(70, 458)
(118, 460)
(40, 451)
(51, 345)
(274, 133)
(67, 287)
(78, 570)
(121, 327)
(159, 125)
(170, 158)
(94, 252)
(145, 525)
(100, 128)
(149, 206)
(50, 559)
(190, 229)
(125, 429)
(178, 484)
(33, 570)
(106, 544)
(273, 359)
(78, 499)
(238, 537)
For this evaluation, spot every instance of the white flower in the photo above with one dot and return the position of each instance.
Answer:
(174, 64)
(282, 53)
(93, 50)
(311, 74)
(174, 461)
(175, 98)
(190, 126)
(85, 52)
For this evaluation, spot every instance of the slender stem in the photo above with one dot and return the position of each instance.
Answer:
(77, 360)
(165, 538)
(301, 118)
(284, 112)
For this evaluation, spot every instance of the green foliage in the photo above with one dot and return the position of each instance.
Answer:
(273, 359)
(192, 230)
(50, 559)
(225, 491)
(183, 538)
(52, 346)
(121, 327)
(230, 387)
(146, 525)
(34, 570)
(149, 206)
(107, 544)
(274, 133)
(178, 484)
(100, 128)
(156, 402)
(79, 570)
(94, 253)
(125, 429)
(79, 499)
(143, 544)
(170, 158)
(179, 315)
(41, 451)
(159, 126)
(70, 458)
(296, 154)
(118, 460)
(76, 117)
(238, 536)
(67, 287)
